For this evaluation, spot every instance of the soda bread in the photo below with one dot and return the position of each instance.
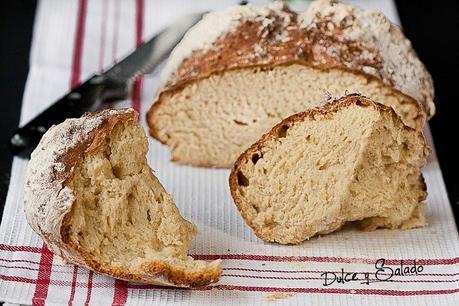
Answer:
(350, 160)
(91, 196)
(240, 71)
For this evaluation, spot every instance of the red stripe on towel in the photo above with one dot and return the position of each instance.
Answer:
(78, 43)
(120, 293)
(74, 280)
(88, 293)
(427, 261)
(43, 277)
(20, 248)
(391, 261)
(121, 289)
(388, 292)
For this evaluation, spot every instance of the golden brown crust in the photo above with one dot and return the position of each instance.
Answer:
(324, 45)
(325, 110)
(155, 272)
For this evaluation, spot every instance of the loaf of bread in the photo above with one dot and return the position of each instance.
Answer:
(91, 196)
(350, 160)
(240, 71)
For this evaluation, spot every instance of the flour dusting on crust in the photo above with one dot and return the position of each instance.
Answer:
(391, 54)
(328, 35)
(46, 199)
(214, 25)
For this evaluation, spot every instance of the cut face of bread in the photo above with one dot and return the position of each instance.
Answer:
(212, 121)
(240, 71)
(351, 160)
(116, 218)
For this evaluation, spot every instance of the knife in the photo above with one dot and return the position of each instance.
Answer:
(111, 85)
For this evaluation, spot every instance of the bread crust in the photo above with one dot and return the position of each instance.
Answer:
(327, 36)
(327, 109)
(48, 200)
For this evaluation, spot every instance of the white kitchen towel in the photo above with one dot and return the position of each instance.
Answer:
(73, 39)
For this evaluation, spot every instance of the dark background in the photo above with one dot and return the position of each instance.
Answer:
(432, 26)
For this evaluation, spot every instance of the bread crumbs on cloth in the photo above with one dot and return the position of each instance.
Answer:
(278, 296)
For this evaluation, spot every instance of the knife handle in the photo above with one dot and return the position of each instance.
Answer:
(85, 97)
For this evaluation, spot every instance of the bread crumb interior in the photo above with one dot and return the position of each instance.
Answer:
(320, 173)
(212, 121)
(122, 215)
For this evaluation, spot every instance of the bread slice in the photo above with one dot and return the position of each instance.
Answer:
(240, 71)
(350, 160)
(91, 196)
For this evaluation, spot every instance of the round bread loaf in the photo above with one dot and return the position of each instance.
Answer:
(239, 71)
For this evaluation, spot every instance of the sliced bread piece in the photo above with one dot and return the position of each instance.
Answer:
(240, 71)
(91, 196)
(350, 160)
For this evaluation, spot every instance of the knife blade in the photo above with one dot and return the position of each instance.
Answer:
(111, 85)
